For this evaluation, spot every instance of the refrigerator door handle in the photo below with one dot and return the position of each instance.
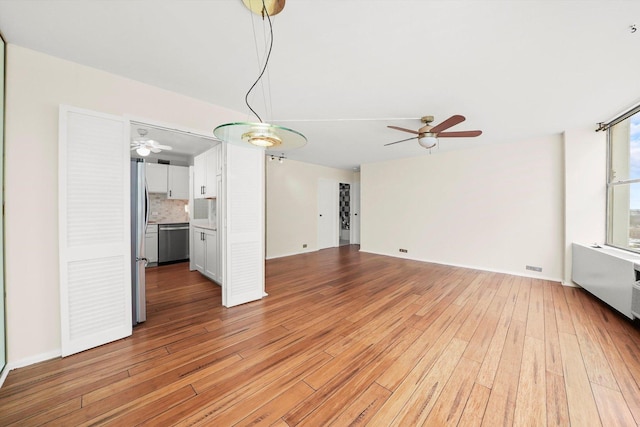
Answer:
(147, 206)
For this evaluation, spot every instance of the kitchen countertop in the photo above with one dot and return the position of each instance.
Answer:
(204, 224)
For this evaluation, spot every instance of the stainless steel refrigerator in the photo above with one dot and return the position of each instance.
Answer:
(139, 221)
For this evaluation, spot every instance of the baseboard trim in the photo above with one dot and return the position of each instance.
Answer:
(3, 375)
(29, 361)
(306, 251)
(471, 267)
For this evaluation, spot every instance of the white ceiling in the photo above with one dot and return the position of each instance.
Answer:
(342, 70)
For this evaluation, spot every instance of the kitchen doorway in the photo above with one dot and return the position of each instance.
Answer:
(344, 211)
(165, 155)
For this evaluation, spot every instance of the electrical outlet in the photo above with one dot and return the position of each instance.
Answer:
(532, 268)
(304, 245)
(404, 251)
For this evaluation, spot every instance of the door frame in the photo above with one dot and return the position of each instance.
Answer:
(130, 120)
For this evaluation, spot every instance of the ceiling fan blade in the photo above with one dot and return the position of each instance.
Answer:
(461, 134)
(451, 121)
(133, 148)
(402, 140)
(404, 130)
(163, 147)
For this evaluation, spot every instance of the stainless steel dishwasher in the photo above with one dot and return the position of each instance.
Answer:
(173, 242)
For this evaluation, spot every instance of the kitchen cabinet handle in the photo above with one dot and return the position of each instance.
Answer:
(169, 193)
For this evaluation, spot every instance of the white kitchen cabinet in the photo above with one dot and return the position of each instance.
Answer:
(205, 169)
(199, 176)
(199, 249)
(178, 182)
(211, 255)
(151, 243)
(157, 177)
(205, 256)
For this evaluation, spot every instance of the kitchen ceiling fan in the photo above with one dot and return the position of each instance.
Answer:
(428, 135)
(145, 146)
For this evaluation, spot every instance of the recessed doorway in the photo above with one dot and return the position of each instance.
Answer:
(344, 211)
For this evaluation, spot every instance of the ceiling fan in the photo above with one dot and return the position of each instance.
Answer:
(144, 146)
(428, 135)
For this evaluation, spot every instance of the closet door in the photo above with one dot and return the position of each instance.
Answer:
(95, 269)
(355, 213)
(328, 207)
(243, 241)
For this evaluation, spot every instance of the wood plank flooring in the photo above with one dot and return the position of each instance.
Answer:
(348, 338)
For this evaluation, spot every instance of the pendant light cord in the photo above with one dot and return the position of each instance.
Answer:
(266, 62)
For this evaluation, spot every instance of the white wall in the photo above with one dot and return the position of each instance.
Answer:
(495, 208)
(585, 163)
(292, 205)
(36, 85)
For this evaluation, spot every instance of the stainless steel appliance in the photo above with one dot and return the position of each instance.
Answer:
(173, 242)
(139, 221)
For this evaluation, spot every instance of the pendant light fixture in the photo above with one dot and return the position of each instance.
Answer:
(261, 134)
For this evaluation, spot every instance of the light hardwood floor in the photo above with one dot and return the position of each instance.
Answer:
(349, 338)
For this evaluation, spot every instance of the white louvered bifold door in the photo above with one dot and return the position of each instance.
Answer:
(94, 227)
(243, 279)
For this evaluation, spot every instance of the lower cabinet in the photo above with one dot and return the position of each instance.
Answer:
(151, 243)
(211, 255)
(205, 256)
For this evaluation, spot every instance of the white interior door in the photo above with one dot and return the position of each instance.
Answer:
(94, 229)
(355, 213)
(243, 235)
(328, 224)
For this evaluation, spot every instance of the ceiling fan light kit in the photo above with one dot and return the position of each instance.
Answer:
(262, 135)
(143, 151)
(428, 140)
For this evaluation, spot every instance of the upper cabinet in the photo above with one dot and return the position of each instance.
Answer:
(168, 179)
(178, 182)
(157, 177)
(206, 167)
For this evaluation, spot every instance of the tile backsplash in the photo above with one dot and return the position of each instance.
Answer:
(167, 210)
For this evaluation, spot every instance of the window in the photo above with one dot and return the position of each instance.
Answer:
(623, 186)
